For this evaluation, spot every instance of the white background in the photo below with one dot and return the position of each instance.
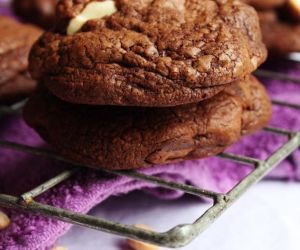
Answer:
(265, 218)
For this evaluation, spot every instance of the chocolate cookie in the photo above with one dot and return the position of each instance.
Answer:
(147, 53)
(130, 137)
(40, 12)
(15, 42)
(281, 36)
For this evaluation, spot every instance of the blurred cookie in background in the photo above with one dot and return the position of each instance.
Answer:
(280, 24)
(281, 35)
(39, 12)
(15, 42)
(17, 88)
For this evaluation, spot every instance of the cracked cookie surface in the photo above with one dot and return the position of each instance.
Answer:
(149, 53)
(130, 137)
(15, 42)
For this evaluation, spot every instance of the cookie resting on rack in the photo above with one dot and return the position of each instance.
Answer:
(133, 137)
(15, 42)
(147, 53)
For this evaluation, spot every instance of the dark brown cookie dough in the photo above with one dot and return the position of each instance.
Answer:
(149, 53)
(281, 37)
(39, 12)
(130, 137)
(15, 42)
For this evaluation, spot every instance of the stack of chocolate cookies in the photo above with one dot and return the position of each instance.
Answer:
(130, 84)
(280, 24)
(15, 42)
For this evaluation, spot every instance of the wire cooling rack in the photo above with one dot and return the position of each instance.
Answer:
(180, 235)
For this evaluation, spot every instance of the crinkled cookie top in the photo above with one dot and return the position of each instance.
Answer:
(148, 53)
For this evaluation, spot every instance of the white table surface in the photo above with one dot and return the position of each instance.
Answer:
(265, 218)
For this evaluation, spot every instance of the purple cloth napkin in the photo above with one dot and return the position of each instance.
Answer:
(20, 172)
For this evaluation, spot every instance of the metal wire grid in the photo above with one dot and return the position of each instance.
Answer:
(180, 235)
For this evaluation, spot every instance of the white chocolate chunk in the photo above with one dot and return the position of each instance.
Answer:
(93, 10)
(4, 221)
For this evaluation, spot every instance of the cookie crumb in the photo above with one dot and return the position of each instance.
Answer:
(138, 245)
(4, 221)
